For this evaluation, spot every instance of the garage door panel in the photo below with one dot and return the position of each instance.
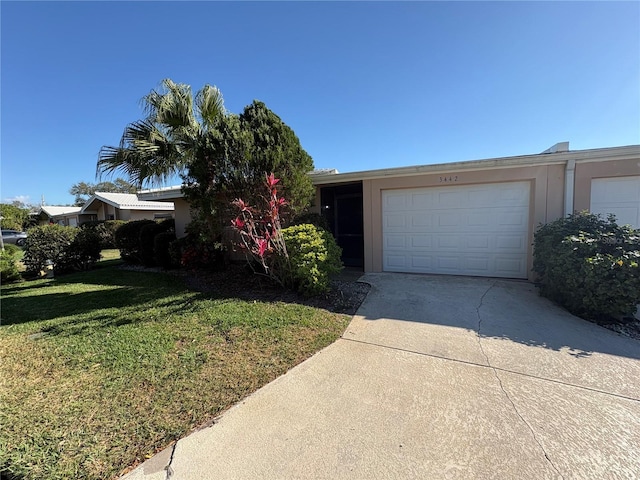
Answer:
(475, 242)
(421, 201)
(511, 242)
(395, 203)
(394, 221)
(421, 220)
(421, 241)
(619, 196)
(466, 230)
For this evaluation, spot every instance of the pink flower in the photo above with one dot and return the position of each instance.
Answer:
(262, 247)
(238, 223)
(238, 202)
(272, 180)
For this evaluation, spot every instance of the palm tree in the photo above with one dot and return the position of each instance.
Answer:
(163, 144)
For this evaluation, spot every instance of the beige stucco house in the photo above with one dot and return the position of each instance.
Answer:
(465, 218)
(125, 206)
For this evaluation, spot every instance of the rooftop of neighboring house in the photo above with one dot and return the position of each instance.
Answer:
(126, 201)
(56, 210)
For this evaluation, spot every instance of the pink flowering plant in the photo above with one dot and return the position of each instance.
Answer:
(261, 232)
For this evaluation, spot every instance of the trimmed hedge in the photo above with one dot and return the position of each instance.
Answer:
(313, 257)
(106, 229)
(127, 239)
(69, 248)
(162, 250)
(589, 265)
(136, 241)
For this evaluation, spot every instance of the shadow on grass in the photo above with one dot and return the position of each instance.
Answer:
(95, 299)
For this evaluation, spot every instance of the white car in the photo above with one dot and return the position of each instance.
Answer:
(14, 236)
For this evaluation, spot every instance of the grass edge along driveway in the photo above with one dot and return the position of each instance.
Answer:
(100, 370)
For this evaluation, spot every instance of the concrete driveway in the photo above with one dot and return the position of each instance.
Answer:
(436, 377)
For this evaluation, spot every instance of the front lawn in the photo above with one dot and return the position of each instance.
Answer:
(100, 370)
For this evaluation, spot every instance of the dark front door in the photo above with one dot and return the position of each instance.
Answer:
(342, 207)
(348, 228)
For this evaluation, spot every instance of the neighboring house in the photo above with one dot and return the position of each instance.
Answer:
(466, 218)
(125, 206)
(62, 215)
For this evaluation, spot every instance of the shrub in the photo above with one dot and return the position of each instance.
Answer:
(162, 249)
(84, 251)
(48, 242)
(9, 264)
(147, 236)
(106, 229)
(127, 239)
(313, 218)
(589, 265)
(313, 257)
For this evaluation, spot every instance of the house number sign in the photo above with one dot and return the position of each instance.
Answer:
(450, 178)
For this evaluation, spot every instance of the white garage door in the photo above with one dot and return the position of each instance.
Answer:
(479, 230)
(620, 196)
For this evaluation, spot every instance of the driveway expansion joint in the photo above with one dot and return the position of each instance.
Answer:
(495, 372)
(168, 468)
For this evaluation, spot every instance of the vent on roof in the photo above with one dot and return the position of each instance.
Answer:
(558, 147)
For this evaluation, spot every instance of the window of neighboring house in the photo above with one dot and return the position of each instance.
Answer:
(111, 217)
(161, 216)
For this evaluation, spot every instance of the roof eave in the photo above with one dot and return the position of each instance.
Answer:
(608, 154)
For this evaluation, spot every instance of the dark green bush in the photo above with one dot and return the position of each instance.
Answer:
(589, 265)
(9, 264)
(162, 249)
(313, 257)
(200, 248)
(147, 236)
(106, 229)
(312, 218)
(49, 242)
(127, 239)
(84, 251)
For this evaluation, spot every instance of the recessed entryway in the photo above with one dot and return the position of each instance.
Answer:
(342, 207)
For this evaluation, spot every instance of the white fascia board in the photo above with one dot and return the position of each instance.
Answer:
(161, 194)
(600, 154)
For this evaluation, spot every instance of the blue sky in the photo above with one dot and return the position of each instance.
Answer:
(363, 85)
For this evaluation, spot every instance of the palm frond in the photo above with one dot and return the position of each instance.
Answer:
(210, 106)
(145, 155)
(172, 107)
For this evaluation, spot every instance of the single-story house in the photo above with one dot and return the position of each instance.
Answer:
(465, 218)
(125, 206)
(62, 215)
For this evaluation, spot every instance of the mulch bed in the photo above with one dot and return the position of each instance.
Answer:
(239, 281)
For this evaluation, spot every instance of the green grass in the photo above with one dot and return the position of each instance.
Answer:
(99, 370)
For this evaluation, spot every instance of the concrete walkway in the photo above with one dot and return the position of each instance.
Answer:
(436, 377)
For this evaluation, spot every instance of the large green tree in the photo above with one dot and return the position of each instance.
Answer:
(83, 190)
(220, 155)
(14, 217)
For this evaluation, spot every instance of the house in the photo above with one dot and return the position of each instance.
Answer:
(62, 215)
(476, 217)
(465, 218)
(125, 206)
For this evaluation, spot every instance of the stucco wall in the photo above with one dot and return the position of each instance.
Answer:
(546, 202)
(182, 215)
